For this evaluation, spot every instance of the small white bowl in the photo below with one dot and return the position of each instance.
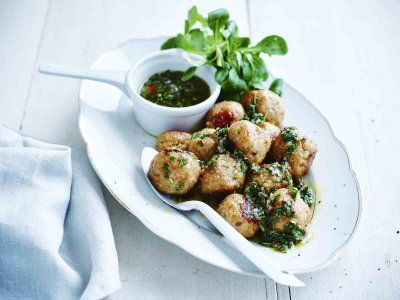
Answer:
(155, 118)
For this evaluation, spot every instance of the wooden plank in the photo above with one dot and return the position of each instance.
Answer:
(282, 292)
(77, 32)
(344, 56)
(21, 24)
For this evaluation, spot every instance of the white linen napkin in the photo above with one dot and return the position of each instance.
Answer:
(56, 240)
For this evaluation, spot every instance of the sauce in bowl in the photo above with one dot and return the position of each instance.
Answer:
(168, 89)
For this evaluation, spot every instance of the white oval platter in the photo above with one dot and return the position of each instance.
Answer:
(115, 141)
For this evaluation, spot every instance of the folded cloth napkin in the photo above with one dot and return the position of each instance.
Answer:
(56, 240)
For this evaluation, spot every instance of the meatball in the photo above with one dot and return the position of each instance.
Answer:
(271, 130)
(174, 171)
(222, 175)
(231, 209)
(294, 147)
(173, 139)
(273, 176)
(224, 113)
(203, 144)
(268, 103)
(301, 212)
(251, 139)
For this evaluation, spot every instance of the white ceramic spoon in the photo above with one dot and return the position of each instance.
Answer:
(235, 238)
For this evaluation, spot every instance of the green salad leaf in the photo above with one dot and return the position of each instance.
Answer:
(189, 73)
(276, 86)
(271, 45)
(239, 66)
(217, 19)
(169, 44)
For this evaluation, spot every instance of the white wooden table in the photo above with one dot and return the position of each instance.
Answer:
(344, 56)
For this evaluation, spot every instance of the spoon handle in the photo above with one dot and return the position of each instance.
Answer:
(116, 78)
(243, 245)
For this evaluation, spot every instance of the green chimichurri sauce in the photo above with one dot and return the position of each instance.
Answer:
(261, 206)
(168, 89)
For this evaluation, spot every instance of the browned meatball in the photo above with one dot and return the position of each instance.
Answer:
(271, 130)
(222, 175)
(301, 213)
(173, 139)
(224, 113)
(231, 209)
(203, 143)
(272, 176)
(294, 147)
(267, 103)
(251, 139)
(174, 171)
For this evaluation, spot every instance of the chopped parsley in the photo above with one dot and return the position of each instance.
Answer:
(275, 199)
(280, 172)
(182, 161)
(242, 165)
(251, 113)
(255, 168)
(202, 163)
(212, 162)
(238, 154)
(256, 199)
(166, 170)
(180, 186)
(222, 140)
(306, 193)
(290, 137)
(283, 240)
(283, 210)
(199, 135)
(293, 191)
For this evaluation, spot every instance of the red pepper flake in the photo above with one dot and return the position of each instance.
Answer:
(151, 89)
(223, 118)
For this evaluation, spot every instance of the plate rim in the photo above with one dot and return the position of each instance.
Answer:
(165, 237)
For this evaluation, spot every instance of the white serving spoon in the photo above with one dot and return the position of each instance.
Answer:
(245, 247)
